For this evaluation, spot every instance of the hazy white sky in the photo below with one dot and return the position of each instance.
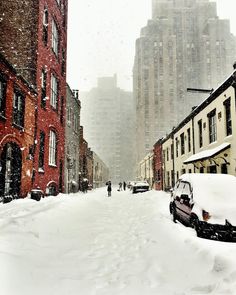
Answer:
(102, 34)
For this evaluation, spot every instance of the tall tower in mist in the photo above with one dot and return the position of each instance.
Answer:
(107, 114)
(184, 45)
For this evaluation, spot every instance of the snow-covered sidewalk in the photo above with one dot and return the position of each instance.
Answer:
(90, 244)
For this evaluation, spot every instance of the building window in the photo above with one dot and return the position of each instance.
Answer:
(41, 150)
(45, 27)
(52, 148)
(200, 138)
(177, 147)
(224, 169)
(18, 109)
(43, 88)
(69, 115)
(172, 151)
(228, 121)
(62, 110)
(63, 62)
(212, 126)
(55, 38)
(182, 143)
(54, 91)
(189, 139)
(167, 154)
(2, 96)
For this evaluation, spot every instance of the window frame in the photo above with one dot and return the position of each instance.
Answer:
(18, 112)
(41, 149)
(52, 148)
(200, 133)
(182, 144)
(228, 117)
(55, 37)
(45, 26)
(212, 124)
(54, 91)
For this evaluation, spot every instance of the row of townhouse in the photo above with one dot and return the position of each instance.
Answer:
(204, 142)
(38, 149)
(18, 141)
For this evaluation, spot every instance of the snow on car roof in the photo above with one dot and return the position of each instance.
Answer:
(214, 192)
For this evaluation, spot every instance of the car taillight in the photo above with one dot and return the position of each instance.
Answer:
(205, 215)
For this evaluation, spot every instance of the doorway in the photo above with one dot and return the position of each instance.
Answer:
(10, 170)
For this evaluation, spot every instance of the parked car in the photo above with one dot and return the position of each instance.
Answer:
(206, 202)
(140, 186)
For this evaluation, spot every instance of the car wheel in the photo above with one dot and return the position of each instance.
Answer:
(174, 214)
(171, 207)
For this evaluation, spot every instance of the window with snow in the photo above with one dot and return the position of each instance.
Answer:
(2, 96)
(212, 126)
(43, 88)
(54, 91)
(18, 109)
(55, 37)
(45, 27)
(52, 148)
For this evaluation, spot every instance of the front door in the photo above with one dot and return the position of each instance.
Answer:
(10, 170)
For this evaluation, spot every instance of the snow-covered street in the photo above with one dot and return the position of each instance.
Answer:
(90, 244)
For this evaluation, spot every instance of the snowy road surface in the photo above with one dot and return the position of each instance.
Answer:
(94, 245)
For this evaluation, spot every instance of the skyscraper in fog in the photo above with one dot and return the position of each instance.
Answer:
(107, 114)
(184, 45)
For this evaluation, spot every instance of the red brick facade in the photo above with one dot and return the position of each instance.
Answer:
(16, 136)
(36, 44)
(157, 164)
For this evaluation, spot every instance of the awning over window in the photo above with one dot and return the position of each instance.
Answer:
(207, 153)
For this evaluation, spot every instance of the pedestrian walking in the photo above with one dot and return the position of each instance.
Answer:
(120, 186)
(124, 185)
(109, 189)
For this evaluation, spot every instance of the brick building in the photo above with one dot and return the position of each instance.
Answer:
(17, 129)
(36, 45)
(157, 165)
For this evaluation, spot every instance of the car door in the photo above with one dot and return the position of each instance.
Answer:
(182, 201)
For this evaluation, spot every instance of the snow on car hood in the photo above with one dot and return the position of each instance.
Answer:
(140, 183)
(216, 194)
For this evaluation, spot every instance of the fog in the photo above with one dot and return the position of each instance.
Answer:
(102, 34)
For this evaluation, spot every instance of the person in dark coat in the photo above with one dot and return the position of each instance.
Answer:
(109, 189)
(124, 185)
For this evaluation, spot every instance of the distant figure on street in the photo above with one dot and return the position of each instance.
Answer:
(109, 189)
(124, 185)
(120, 186)
(84, 185)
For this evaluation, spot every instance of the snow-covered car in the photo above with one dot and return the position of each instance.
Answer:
(206, 202)
(140, 186)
